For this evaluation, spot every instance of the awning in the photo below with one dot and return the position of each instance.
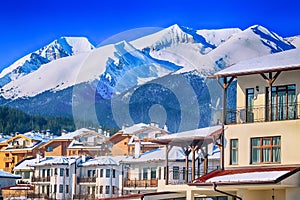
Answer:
(260, 175)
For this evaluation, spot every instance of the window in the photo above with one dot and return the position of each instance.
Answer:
(48, 172)
(43, 173)
(43, 189)
(54, 188)
(67, 172)
(93, 189)
(61, 172)
(283, 102)
(234, 151)
(90, 174)
(107, 173)
(107, 189)
(153, 173)
(67, 188)
(55, 171)
(101, 172)
(175, 172)
(145, 174)
(265, 150)
(159, 173)
(114, 173)
(61, 188)
(101, 189)
(249, 104)
(49, 149)
(183, 173)
(26, 175)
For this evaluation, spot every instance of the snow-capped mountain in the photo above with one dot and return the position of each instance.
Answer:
(294, 41)
(62, 47)
(129, 69)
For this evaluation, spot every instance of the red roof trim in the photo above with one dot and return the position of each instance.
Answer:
(202, 180)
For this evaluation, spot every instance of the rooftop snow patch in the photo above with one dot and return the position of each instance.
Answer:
(283, 61)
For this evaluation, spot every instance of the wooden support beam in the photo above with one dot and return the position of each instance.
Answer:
(168, 148)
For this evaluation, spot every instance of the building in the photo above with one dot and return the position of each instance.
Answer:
(19, 147)
(25, 170)
(77, 143)
(124, 140)
(261, 135)
(55, 177)
(99, 177)
(7, 179)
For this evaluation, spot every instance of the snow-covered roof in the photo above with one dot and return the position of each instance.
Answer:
(70, 136)
(283, 61)
(4, 174)
(36, 136)
(134, 128)
(103, 160)
(56, 160)
(25, 164)
(246, 176)
(202, 132)
(159, 154)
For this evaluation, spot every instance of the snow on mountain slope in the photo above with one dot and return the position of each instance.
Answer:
(218, 36)
(253, 42)
(108, 64)
(165, 38)
(294, 41)
(64, 46)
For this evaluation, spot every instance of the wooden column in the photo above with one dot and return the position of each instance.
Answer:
(168, 148)
(187, 153)
(193, 162)
(270, 80)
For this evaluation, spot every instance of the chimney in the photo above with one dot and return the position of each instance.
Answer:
(48, 133)
(154, 124)
(107, 133)
(166, 128)
(38, 158)
(100, 130)
(137, 148)
(83, 158)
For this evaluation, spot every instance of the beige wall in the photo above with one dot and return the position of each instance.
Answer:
(288, 130)
(251, 81)
(246, 194)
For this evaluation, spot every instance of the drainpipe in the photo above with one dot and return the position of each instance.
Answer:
(226, 193)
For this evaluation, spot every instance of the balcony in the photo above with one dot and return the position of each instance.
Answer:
(40, 179)
(37, 196)
(261, 113)
(8, 159)
(87, 180)
(140, 183)
(82, 196)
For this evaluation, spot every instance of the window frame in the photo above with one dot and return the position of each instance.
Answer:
(234, 149)
(261, 147)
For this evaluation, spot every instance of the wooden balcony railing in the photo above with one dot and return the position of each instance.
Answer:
(40, 179)
(87, 180)
(7, 159)
(82, 196)
(37, 196)
(140, 183)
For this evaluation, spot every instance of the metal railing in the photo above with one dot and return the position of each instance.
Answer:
(261, 113)
(141, 183)
(37, 196)
(40, 179)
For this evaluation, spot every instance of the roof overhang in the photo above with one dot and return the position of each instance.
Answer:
(248, 176)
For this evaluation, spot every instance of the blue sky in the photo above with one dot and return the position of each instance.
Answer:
(28, 25)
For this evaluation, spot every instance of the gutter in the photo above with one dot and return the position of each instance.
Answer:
(228, 194)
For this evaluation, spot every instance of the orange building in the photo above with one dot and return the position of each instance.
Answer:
(124, 140)
(79, 142)
(18, 148)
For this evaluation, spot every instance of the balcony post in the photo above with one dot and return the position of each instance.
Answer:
(168, 148)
